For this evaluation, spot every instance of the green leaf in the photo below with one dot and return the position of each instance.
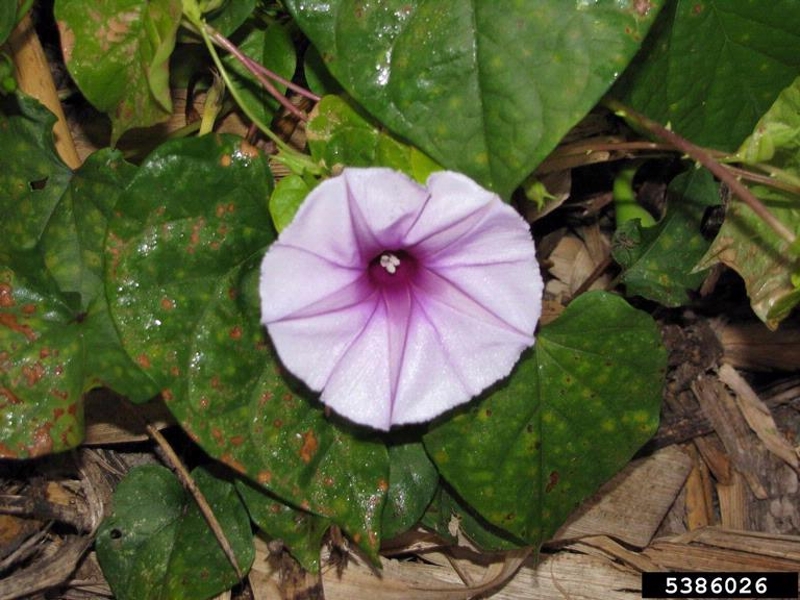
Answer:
(195, 211)
(776, 137)
(32, 176)
(55, 328)
(286, 198)
(8, 18)
(41, 364)
(745, 243)
(230, 15)
(273, 48)
(529, 453)
(485, 90)
(413, 480)
(339, 136)
(712, 68)
(750, 247)
(118, 54)
(73, 249)
(449, 517)
(157, 545)
(182, 279)
(658, 260)
(244, 409)
(301, 531)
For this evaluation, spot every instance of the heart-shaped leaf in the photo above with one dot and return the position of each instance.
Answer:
(658, 260)
(484, 88)
(118, 53)
(157, 545)
(413, 480)
(183, 264)
(300, 531)
(572, 414)
(55, 329)
(711, 69)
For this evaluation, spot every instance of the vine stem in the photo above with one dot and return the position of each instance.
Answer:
(202, 504)
(702, 156)
(261, 73)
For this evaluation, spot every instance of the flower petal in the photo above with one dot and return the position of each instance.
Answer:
(384, 205)
(312, 345)
(457, 348)
(402, 352)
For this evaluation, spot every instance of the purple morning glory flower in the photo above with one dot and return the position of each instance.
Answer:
(400, 301)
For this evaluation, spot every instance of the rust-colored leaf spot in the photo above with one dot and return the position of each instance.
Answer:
(167, 303)
(236, 333)
(277, 423)
(194, 237)
(264, 477)
(225, 160)
(33, 374)
(60, 394)
(275, 508)
(265, 397)
(204, 403)
(310, 446)
(229, 460)
(552, 481)
(10, 397)
(247, 150)
(383, 485)
(237, 440)
(6, 296)
(42, 441)
(28, 309)
(216, 433)
(143, 361)
(167, 394)
(697, 8)
(327, 481)
(10, 321)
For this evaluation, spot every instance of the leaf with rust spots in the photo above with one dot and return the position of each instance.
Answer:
(118, 54)
(41, 374)
(55, 330)
(230, 393)
(573, 424)
(301, 531)
(309, 448)
(156, 538)
(28, 157)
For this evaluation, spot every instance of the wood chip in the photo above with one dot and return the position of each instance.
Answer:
(621, 510)
(744, 448)
(758, 416)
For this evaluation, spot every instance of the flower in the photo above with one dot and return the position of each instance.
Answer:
(397, 301)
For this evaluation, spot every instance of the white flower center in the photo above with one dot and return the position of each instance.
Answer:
(390, 262)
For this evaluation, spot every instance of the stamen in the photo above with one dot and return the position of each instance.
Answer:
(390, 262)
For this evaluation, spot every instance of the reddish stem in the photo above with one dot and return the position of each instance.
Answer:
(261, 73)
(704, 158)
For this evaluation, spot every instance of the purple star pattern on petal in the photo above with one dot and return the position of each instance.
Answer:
(399, 302)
